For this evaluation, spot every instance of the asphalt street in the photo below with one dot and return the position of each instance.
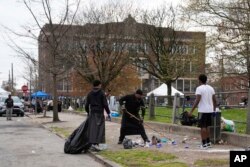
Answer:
(26, 144)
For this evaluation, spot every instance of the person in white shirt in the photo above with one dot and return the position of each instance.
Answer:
(206, 102)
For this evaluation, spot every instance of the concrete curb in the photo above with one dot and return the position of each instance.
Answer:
(98, 158)
(103, 160)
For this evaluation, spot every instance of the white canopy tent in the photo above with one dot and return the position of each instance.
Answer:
(163, 91)
(4, 92)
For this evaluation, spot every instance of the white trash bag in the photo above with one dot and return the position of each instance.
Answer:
(227, 125)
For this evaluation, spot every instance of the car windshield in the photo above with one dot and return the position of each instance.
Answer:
(15, 99)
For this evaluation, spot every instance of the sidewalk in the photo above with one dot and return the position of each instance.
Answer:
(187, 151)
(25, 144)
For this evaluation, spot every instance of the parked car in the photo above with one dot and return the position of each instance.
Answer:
(18, 108)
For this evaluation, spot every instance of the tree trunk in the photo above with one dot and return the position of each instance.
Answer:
(170, 102)
(152, 107)
(44, 112)
(55, 108)
(248, 113)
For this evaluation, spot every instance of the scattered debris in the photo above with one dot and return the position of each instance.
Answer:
(103, 146)
(164, 140)
(184, 140)
(174, 142)
(221, 141)
(155, 140)
(158, 145)
(127, 143)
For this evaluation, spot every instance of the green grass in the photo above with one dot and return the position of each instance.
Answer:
(211, 162)
(80, 110)
(240, 115)
(164, 114)
(61, 131)
(143, 158)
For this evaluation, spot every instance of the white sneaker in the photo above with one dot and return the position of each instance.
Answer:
(209, 145)
(203, 146)
(95, 148)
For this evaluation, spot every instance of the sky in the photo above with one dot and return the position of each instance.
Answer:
(14, 15)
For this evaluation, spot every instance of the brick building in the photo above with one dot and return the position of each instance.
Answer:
(233, 90)
(126, 32)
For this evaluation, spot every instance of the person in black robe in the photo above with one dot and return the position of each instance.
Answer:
(95, 104)
(132, 123)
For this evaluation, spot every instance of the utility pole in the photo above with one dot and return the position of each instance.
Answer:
(30, 81)
(12, 78)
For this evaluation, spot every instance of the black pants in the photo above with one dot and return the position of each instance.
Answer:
(133, 131)
(205, 119)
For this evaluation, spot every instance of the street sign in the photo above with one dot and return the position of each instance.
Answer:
(24, 88)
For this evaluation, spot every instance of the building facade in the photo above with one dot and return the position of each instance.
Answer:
(233, 90)
(124, 36)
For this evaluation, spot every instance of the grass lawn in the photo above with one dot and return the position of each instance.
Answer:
(143, 158)
(61, 131)
(164, 114)
(211, 162)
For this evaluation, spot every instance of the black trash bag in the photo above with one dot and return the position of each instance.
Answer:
(188, 120)
(127, 144)
(78, 141)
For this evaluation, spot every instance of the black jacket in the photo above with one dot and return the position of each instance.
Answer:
(96, 102)
(131, 125)
(9, 102)
(132, 104)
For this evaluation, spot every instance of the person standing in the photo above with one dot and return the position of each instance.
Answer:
(132, 123)
(9, 107)
(96, 102)
(206, 102)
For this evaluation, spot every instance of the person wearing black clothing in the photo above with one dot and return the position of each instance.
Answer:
(9, 107)
(96, 102)
(131, 125)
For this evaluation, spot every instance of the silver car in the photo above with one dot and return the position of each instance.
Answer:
(18, 108)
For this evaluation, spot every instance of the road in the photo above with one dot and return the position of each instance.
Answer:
(26, 144)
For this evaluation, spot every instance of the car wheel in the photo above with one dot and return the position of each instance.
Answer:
(22, 114)
(17, 115)
(1, 115)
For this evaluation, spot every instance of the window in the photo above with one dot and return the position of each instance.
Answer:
(179, 49)
(187, 66)
(186, 85)
(60, 85)
(192, 50)
(194, 66)
(242, 85)
(180, 85)
(194, 84)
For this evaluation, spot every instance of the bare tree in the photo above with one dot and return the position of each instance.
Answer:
(231, 18)
(30, 75)
(50, 39)
(166, 54)
(102, 42)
